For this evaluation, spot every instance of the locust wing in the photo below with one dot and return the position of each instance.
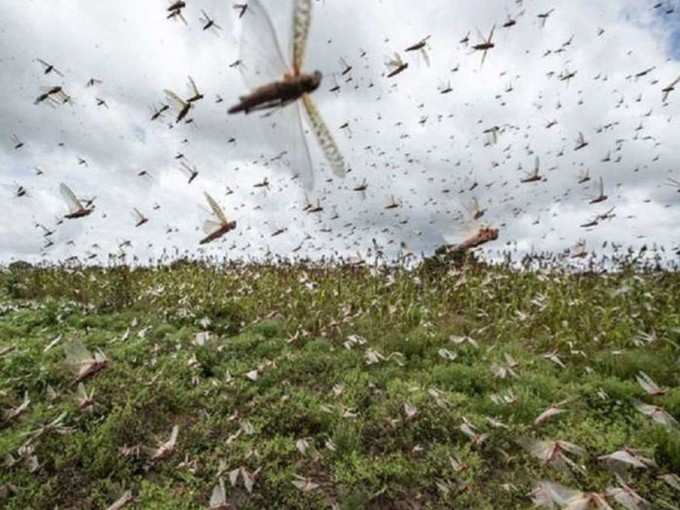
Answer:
(285, 130)
(177, 101)
(73, 203)
(324, 137)
(218, 499)
(216, 209)
(210, 227)
(302, 18)
(493, 29)
(193, 86)
(260, 52)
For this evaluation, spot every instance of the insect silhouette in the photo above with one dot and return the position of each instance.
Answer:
(283, 85)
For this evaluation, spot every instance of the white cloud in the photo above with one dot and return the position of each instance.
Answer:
(138, 53)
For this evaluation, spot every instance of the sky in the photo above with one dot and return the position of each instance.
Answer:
(428, 152)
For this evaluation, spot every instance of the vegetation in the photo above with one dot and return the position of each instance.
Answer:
(331, 386)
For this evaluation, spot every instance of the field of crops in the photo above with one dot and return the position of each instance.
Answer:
(302, 386)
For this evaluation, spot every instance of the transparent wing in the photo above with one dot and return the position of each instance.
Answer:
(173, 435)
(260, 53)
(217, 210)
(559, 493)
(493, 29)
(426, 57)
(192, 83)
(210, 226)
(218, 498)
(324, 137)
(186, 169)
(300, 158)
(302, 18)
(139, 216)
(70, 197)
(77, 353)
(177, 101)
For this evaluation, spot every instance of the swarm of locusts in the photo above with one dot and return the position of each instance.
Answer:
(389, 379)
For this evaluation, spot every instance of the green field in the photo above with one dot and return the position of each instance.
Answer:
(344, 387)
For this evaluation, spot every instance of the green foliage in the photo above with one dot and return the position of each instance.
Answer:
(330, 360)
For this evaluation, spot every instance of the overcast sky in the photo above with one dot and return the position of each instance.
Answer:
(426, 150)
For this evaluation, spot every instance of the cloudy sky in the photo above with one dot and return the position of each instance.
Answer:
(429, 152)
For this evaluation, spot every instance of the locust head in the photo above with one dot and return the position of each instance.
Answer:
(489, 234)
(311, 82)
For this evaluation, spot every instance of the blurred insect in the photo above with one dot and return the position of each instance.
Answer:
(492, 132)
(18, 144)
(264, 62)
(241, 8)
(395, 65)
(567, 76)
(20, 192)
(486, 44)
(422, 47)
(543, 17)
(84, 363)
(550, 494)
(550, 412)
(92, 82)
(583, 176)
(139, 217)
(580, 142)
(164, 449)
(553, 453)
(445, 88)
(189, 171)
(216, 229)
(76, 207)
(658, 414)
(157, 113)
(669, 88)
(175, 10)
(264, 183)
(346, 68)
(675, 183)
(218, 498)
(181, 105)
(335, 86)
(579, 251)
(208, 22)
(534, 175)
(475, 210)
(49, 68)
(393, 203)
(85, 400)
(627, 458)
(510, 22)
(197, 94)
(600, 197)
(53, 95)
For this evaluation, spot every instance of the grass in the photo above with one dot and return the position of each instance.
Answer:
(338, 352)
